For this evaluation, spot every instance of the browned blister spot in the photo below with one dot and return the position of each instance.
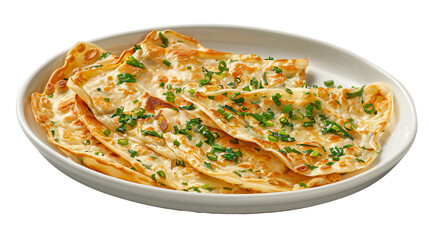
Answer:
(302, 168)
(81, 47)
(154, 103)
(66, 104)
(334, 138)
(62, 83)
(163, 124)
(324, 167)
(91, 53)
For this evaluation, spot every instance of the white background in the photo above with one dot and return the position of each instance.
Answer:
(39, 202)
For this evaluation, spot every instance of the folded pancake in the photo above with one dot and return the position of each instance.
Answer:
(174, 173)
(151, 123)
(167, 63)
(314, 131)
(54, 111)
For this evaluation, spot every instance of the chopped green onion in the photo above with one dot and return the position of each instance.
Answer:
(318, 104)
(162, 84)
(314, 154)
(104, 55)
(303, 185)
(170, 97)
(164, 39)
(199, 144)
(311, 167)
(135, 101)
(167, 63)
(276, 98)
(211, 156)
(190, 107)
(238, 174)
(355, 94)
(176, 143)
(360, 160)
(272, 138)
(329, 83)
(222, 66)
(151, 133)
(276, 69)
(98, 89)
(264, 77)
(287, 108)
(106, 99)
(308, 124)
(161, 174)
(247, 88)
(206, 80)
(136, 47)
(369, 108)
(206, 187)
(125, 77)
(123, 141)
(133, 153)
(107, 132)
(86, 142)
(208, 165)
(191, 91)
(133, 62)
(234, 95)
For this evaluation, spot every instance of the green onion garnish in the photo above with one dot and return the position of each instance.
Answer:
(288, 90)
(264, 77)
(107, 132)
(329, 83)
(125, 77)
(167, 63)
(133, 153)
(136, 47)
(104, 55)
(311, 167)
(369, 108)
(208, 165)
(276, 69)
(272, 138)
(151, 133)
(176, 143)
(199, 144)
(318, 104)
(133, 62)
(211, 156)
(164, 39)
(162, 84)
(276, 98)
(238, 174)
(355, 94)
(191, 91)
(170, 97)
(161, 174)
(206, 80)
(303, 185)
(123, 141)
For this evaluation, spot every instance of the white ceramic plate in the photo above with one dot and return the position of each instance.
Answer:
(326, 62)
